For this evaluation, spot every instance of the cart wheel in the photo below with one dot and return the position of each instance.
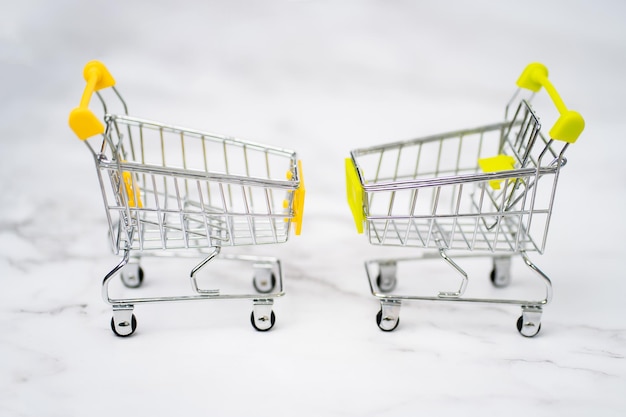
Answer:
(264, 283)
(387, 276)
(501, 273)
(530, 330)
(386, 325)
(128, 328)
(386, 283)
(499, 280)
(132, 277)
(263, 324)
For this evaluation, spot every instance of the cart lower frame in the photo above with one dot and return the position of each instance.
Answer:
(267, 280)
(382, 278)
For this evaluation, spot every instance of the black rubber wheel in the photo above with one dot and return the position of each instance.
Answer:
(272, 321)
(139, 280)
(379, 320)
(133, 327)
(268, 290)
(492, 277)
(390, 287)
(520, 324)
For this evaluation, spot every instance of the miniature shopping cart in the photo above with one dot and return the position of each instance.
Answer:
(487, 191)
(172, 191)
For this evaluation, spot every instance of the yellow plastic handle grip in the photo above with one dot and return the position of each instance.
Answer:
(570, 124)
(83, 122)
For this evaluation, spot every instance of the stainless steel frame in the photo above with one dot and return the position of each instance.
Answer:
(173, 191)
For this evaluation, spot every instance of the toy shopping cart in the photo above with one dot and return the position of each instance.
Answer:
(487, 191)
(172, 191)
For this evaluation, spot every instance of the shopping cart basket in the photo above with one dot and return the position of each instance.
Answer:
(172, 191)
(487, 191)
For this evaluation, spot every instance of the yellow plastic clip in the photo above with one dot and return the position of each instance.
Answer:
(496, 164)
(355, 195)
(570, 124)
(298, 200)
(132, 190)
(83, 122)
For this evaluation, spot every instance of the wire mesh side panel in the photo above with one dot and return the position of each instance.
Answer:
(463, 215)
(430, 192)
(172, 188)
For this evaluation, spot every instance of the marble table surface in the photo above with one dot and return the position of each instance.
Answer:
(322, 78)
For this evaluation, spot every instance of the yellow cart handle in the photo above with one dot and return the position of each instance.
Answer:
(83, 122)
(570, 124)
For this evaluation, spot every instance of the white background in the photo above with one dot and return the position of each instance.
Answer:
(322, 78)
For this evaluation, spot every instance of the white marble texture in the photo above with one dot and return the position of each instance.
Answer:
(320, 77)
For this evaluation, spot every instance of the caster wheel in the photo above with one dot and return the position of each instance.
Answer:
(499, 281)
(133, 277)
(124, 329)
(386, 283)
(501, 273)
(386, 325)
(528, 330)
(263, 324)
(264, 283)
